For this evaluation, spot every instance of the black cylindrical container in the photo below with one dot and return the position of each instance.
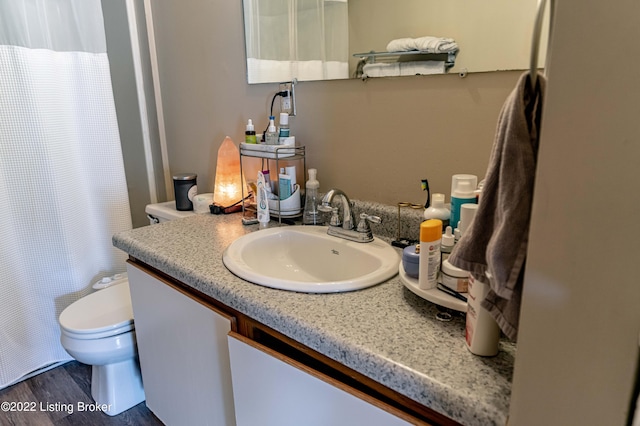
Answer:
(185, 188)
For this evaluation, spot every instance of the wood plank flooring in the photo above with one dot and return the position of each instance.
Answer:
(57, 394)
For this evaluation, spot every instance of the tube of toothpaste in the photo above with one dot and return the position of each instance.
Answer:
(262, 202)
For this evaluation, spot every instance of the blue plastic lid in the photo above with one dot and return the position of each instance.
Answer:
(409, 254)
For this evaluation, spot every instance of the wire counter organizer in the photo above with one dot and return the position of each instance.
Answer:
(275, 157)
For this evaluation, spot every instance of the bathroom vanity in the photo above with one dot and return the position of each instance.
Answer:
(247, 353)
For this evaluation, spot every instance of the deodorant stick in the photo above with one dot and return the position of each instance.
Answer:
(430, 238)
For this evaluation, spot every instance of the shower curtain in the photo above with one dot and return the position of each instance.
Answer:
(63, 192)
(306, 39)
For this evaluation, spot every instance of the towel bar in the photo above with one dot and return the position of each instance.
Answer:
(535, 41)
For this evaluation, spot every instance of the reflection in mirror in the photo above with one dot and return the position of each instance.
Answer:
(305, 39)
(317, 39)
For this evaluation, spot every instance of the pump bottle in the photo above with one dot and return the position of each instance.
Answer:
(462, 191)
(311, 215)
(271, 136)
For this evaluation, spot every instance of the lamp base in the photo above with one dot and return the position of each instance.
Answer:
(216, 209)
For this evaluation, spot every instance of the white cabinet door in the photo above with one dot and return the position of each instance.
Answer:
(271, 392)
(183, 352)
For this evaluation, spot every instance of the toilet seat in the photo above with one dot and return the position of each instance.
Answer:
(101, 314)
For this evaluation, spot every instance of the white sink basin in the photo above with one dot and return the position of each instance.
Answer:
(306, 259)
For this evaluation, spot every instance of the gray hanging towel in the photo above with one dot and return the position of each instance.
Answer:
(494, 247)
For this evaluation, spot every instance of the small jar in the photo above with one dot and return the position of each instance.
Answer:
(411, 260)
(185, 188)
(455, 278)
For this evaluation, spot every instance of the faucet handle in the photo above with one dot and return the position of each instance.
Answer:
(363, 225)
(335, 218)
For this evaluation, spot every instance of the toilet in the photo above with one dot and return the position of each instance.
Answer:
(98, 330)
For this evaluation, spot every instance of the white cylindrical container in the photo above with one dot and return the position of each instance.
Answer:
(482, 333)
(430, 238)
(201, 202)
(467, 213)
(455, 278)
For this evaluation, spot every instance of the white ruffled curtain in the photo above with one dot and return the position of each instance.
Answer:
(63, 192)
(303, 39)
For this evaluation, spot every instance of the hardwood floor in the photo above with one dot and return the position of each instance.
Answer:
(54, 397)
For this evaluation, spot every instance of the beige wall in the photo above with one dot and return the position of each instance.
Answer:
(374, 139)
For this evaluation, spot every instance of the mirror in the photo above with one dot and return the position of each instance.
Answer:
(317, 39)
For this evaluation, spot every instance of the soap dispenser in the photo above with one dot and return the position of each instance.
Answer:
(311, 215)
(271, 136)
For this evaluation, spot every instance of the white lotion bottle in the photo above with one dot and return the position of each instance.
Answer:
(430, 238)
(482, 333)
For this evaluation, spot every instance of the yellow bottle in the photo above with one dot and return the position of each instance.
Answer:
(430, 239)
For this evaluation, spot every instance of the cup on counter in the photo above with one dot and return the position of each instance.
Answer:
(289, 206)
(201, 202)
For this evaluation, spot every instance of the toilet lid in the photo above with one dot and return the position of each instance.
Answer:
(100, 312)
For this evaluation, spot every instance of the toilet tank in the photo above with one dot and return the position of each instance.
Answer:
(164, 212)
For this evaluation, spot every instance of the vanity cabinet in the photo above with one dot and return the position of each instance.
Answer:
(271, 389)
(183, 351)
(203, 362)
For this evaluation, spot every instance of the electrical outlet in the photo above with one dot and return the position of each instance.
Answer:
(288, 103)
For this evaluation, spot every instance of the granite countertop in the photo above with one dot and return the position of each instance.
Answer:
(384, 332)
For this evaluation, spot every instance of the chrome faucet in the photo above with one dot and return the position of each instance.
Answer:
(348, 218)
(346, 228)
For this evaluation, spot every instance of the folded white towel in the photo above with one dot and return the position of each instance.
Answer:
(424, 44)
(422, 67)
(395, 69)
(401, 45)
(436, 44)
(381, 70)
